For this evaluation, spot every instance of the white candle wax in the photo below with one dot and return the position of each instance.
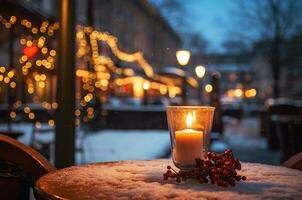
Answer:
(188, 146)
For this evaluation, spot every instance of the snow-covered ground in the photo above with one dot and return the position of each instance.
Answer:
(109, 145)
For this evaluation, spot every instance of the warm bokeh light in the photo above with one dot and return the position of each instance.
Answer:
(31, 50)
(31, 115)
(54, 105)
(38, 124)
(52, 52)
(183, 57)
(200, 71)
(13, 114)
(88, 97)
(51, 122)
(77, 112)
(238, 92)
(2, 69)
(6, 80)
(192, 82)
(41, 84)
(172, 92)
(231, 93)
(13, 84)
(250, 93)
(44, 50)
(253, 92)
(43, 77)
(34, 30)
(146, 85)
(11, 74)
(208, 88)
(163, 90)
(26, 109)
(30, 90)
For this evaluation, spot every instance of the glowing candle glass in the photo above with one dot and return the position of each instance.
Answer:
(189, 128)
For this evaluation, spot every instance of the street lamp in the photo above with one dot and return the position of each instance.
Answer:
(208, 88)
(200, 72)
(183, 57)
(146, 87)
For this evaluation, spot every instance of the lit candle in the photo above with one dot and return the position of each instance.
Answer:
(188, 144)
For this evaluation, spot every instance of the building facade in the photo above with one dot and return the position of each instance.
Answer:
(138, 27)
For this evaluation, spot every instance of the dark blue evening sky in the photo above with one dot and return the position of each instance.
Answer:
(210, 18)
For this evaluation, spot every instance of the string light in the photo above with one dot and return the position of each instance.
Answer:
(96, 83)
(32, 43)
(238, 92)
(103, 65)
(51, 122)
(31, 115)
(250, 93)
(38, 124)
(13, 114)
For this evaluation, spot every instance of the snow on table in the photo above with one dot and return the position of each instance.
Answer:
(143, 180)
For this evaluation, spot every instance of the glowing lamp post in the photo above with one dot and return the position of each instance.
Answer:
(208, 88)
(200, 72)
(183, 57)
(146, 87)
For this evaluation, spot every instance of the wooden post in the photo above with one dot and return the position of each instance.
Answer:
(10, 92)
(215, 102)
(90, 13)
(184, 89)
(65, 129)
(200, 91)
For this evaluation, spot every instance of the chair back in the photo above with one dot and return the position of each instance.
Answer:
(20, 167)
(284, 109)
(278, 109)
(295, 162)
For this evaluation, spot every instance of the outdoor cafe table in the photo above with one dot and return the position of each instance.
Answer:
(144, 180)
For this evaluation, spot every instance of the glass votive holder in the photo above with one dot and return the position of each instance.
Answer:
(189, 128)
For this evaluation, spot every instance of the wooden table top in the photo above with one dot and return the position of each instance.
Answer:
(143, 180)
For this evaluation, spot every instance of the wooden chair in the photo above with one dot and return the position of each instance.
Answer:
(43, 147)
(278, 109)
(294, 162)
(12, 134)
(20, 167)
(288, 130)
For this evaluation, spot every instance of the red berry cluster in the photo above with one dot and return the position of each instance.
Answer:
(219, 168)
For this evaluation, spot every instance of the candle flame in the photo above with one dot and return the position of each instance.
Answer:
(189, 120)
